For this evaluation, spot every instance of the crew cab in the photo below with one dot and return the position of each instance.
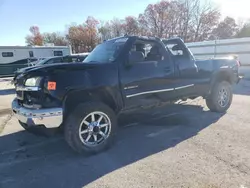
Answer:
(121, 74)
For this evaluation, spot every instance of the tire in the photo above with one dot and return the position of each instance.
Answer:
(88, 141)
(215, 102)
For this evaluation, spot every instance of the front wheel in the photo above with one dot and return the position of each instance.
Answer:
(220, 98)
(91, 128)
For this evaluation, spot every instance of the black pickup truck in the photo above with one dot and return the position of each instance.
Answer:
(121, 74)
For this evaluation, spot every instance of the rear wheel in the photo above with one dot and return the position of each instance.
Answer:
(91, 128)
(220, 98)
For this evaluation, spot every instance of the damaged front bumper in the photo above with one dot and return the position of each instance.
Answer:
(49, 117)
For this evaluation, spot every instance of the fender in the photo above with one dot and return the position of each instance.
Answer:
(223, 73)
(107, 95)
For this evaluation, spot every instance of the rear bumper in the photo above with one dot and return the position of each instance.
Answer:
(50, 118)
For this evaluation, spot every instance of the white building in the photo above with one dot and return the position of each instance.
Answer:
(222, 48)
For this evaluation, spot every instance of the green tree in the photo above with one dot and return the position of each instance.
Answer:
(244, 31)
(226, 29)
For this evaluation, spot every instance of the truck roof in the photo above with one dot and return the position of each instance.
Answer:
(174, 39)
(135, 36)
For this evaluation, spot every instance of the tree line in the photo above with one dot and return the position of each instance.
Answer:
(192, 20)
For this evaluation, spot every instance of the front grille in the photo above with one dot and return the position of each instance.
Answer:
(33, 98)
(20, 81)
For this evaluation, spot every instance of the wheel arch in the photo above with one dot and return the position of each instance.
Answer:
(104, 95)
(221, 75)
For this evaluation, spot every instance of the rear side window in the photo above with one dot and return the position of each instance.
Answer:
(7, 54)
(58, 53)
(174, 49)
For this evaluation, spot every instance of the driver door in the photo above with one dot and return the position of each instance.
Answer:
(147, 80)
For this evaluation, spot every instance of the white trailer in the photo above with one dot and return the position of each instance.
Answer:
(14, 57)
(222, 48)
(11, 54)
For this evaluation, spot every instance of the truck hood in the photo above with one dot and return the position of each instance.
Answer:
(22, 70)
(40, 70)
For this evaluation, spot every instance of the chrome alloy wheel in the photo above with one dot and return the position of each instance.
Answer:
(223, 97)
(94, 129)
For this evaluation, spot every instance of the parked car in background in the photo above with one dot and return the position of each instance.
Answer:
(63, 59)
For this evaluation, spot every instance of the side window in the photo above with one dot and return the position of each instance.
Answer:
(7, 54)
(148, 49)
(31, 54)
(58, 53)
(175, 49)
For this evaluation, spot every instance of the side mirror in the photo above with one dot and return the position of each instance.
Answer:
(135, 57)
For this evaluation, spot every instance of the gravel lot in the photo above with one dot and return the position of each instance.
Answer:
(176, 146)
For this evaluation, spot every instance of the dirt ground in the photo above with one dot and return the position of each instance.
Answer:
(175, 146)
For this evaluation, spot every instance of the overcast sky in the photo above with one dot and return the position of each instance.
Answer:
(52, 15)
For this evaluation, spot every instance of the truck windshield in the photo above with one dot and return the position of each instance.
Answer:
(106, 52)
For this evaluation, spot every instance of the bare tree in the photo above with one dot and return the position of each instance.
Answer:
(116, 26)
(189, 19)
(131, 25)
(143, 27)
(105, 30)
(205, 19)
(192, 20)
(186, 16)
(156, 17)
